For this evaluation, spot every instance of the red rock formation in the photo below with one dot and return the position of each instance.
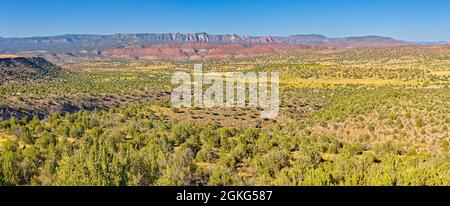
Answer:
(196, 51)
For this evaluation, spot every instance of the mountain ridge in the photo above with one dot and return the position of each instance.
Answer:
(78, 42)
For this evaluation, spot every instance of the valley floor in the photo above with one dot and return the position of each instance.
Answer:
(375, 116)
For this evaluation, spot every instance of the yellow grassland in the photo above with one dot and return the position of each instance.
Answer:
(321, 82)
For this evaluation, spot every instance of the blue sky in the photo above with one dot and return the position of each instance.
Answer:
(412, 20)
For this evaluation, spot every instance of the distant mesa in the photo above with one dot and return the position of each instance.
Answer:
(78, 42)
(73, 47)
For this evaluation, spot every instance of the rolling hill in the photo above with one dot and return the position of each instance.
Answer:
(20, 69)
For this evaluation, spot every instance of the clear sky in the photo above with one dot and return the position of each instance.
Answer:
(412, 20)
